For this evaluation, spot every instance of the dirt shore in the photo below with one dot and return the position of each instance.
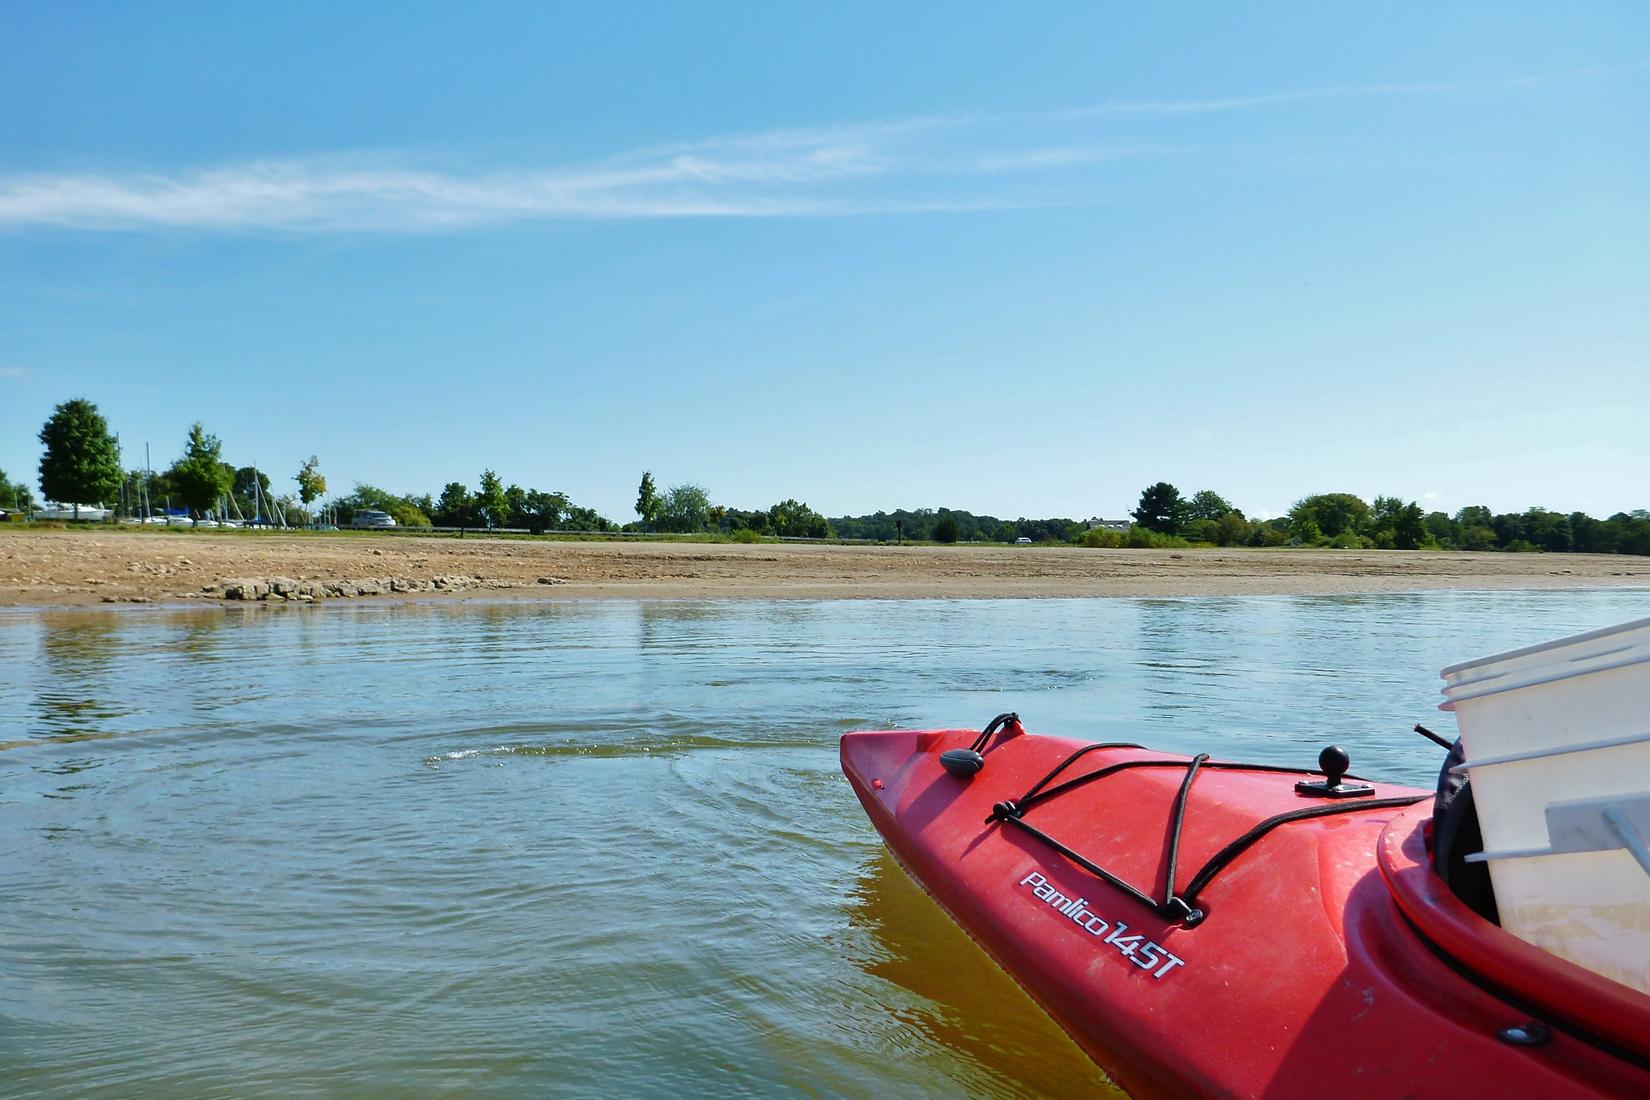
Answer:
(59, 568)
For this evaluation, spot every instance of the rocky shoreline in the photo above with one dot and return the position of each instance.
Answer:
(297, 591)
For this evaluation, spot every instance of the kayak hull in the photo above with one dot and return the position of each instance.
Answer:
(1304, 977)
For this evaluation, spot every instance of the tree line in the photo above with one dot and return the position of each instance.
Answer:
(1346, 521)
(81, 464)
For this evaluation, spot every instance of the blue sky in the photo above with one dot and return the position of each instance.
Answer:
(1022, 262)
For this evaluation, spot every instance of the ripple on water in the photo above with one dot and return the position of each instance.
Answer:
(597, 848)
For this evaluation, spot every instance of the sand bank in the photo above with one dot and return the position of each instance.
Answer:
(56, 568)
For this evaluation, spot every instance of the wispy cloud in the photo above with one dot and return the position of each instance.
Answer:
(16, 372)
(930, 162)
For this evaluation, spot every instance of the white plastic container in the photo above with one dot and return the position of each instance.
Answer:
(1559, 735)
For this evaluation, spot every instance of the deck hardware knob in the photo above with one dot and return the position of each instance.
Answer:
(1333, 761)
(1532, 1034)
(962, 763)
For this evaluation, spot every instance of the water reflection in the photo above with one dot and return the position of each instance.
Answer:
(77, 653)
(957, 999)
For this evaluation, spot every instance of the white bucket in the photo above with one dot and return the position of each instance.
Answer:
(1565, 727)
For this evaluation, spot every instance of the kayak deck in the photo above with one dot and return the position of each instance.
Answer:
(1287, 969)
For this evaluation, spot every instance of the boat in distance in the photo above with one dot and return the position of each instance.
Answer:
(1212, 928)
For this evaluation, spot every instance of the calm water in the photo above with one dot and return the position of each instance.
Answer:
(595, 848)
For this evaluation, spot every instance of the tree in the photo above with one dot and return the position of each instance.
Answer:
(81, 464)
(1232, 529)
(1383, 522)
(491, 501)
(453, 508)
(251, 491)
(1409, 532)
(793, 519)
(684, 509)
(1161, 509)
(147, 489)
(312, 486)
(1332, 513)
(14, 495)
(1440, 528)
(1474, 515)
(946, 529)
(648, 502)
(515, 505)
(1208, 504)
(1475, 536)
(1305, 530)
(1549, 530)
(586, 519)
(543, 511)
(200, 477)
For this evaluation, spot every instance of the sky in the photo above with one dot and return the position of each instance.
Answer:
(1019, 261)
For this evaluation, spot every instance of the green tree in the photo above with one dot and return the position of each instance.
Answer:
(1232, 529)
(1549, 530)
(250, 487)
(1161, 509)
(1440, 528)
(1409, 530)
(491, 501)
(312, 486)
(543, 511)
(1475, 536)
(586, 519)
(1305, 530)
(648, 501)
(1474, 515)
(793, 519)
(945, 530)
(81, 464)
(684, 509)
(1332, 513)
(1210, 505)
(453, 508)
(1586, 531)
(1383, 522)
(515, 498)
(200, 477)
(14, 495)
(147, 488)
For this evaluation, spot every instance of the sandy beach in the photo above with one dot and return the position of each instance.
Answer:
(65, 568)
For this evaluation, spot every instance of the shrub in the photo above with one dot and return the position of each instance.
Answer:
(405, 515)
(1100, 538)
(1144, 538)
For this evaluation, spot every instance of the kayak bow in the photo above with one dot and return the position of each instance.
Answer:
(1206, 928)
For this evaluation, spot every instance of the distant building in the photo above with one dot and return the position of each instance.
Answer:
(1110, 524)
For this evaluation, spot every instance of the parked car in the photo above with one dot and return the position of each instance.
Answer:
(369, 520)
(1022, 541)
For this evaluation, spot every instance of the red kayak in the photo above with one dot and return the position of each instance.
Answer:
(1218, 929)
